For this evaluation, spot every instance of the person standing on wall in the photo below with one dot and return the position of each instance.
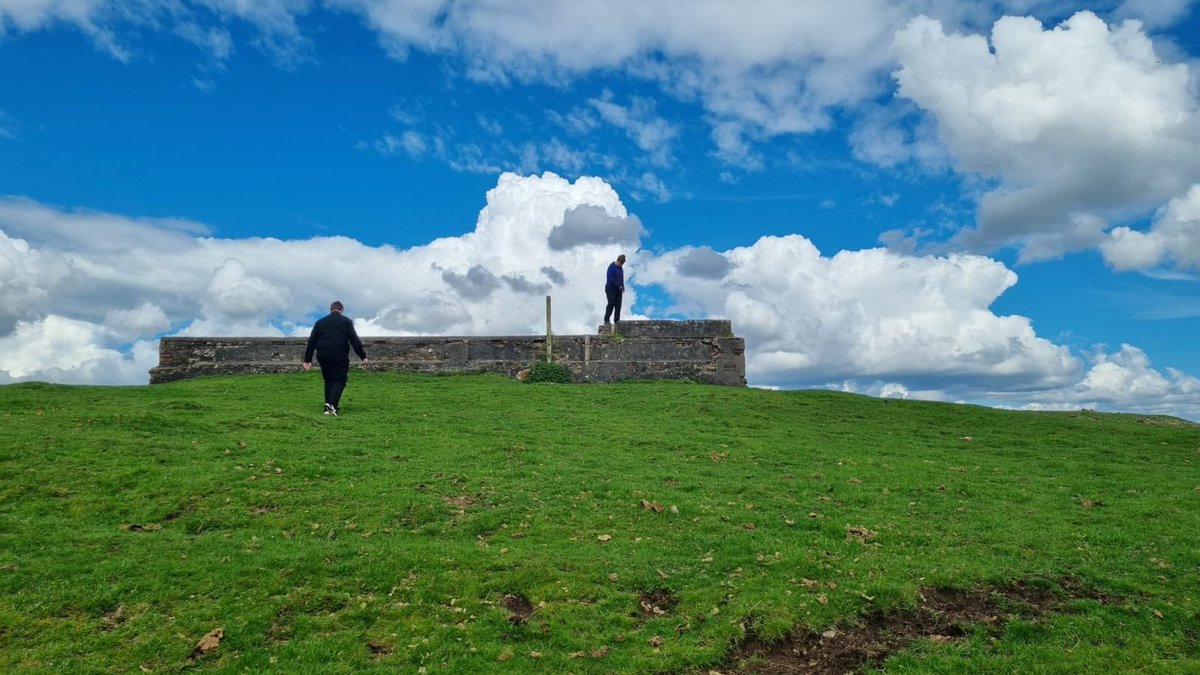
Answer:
(331, 338)
(614, 288)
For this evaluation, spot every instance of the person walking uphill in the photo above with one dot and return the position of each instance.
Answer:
(614, 288)
(331, 338)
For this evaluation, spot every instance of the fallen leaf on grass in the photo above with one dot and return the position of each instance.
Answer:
(148, 527)
(855, 481)
(860, 533)
(748, 526)
(823, 599)
(613, 577)
(504, 655)
(652, 506)
(1158, 614)
(967, 438)
(1088, 504)
(656, 641)
(599, 652)
(604, 537)
(661, 574)
(208, 643)
(535, 655)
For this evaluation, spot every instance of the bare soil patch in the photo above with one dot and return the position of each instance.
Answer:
(658, 602)
(519, 608)
(943, 615)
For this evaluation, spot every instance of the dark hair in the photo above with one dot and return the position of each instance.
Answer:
(621, 257)
(336, 305)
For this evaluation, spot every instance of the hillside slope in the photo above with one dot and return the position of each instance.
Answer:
(475, 524)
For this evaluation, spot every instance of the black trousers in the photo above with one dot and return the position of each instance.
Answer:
(614, 303)
(334, 372)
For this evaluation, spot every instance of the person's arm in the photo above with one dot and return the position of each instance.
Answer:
(310, 347)
(356, 343)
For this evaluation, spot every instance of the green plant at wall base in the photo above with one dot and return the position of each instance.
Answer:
(547, 371)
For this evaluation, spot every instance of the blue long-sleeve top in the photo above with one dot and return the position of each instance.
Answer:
(616, 276)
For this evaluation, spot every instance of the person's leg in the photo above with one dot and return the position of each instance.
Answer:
(614, 301)
(617, 306)
(336, 383)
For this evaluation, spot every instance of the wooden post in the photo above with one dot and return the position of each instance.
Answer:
(549, 334)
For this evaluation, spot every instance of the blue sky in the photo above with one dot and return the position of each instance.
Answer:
(985, 202)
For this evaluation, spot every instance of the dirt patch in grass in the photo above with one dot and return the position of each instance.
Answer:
(461, 501)
(519, 608)
(658, 602)
(944, 615)
(379, 649)
(281, 628)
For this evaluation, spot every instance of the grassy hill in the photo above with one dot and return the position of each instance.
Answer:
(476, 524)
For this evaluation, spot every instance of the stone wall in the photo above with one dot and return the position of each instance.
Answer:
(704, 351)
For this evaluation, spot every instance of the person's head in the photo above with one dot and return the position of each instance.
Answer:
(337, 306)
(621, 260)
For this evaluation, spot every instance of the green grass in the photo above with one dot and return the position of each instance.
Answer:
(388, 537)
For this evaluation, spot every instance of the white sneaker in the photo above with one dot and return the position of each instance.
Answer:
(330, 410)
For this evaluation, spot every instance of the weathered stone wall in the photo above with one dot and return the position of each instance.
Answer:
(705, 351)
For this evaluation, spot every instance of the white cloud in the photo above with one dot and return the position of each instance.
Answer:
(59, 349)
(773, 67)
(651, 133)
(703, 262)
(1124, 381)
(592, 225)
(871, 314)
(145, 319)
(87, 15)
(905, 325)
(1154, 13)
(1079, 125)
(1174, 236)
(234, 293)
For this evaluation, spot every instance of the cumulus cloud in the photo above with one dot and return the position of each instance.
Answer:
(703, 262)
(476, 284)
(59, 349)
(809, 319)
(1174, 236)
(587, 224)
(145, 319)
(233, 292)
(115, 282)
(1078, 126)
(887, 323)
(1124, 380)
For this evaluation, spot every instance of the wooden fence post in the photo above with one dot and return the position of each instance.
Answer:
(549, 334)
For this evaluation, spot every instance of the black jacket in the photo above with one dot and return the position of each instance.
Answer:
(332, 337)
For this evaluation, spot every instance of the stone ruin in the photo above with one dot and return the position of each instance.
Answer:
(704, 351)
